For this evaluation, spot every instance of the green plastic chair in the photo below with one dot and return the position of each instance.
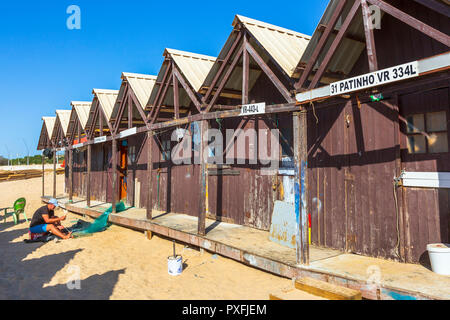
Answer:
(17, 209)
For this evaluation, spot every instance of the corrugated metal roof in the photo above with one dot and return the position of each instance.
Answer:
(195, 67)
(107, 100)
(82, 109)
(141, 84)
(64, 119)
(285, 46)
(49, 124)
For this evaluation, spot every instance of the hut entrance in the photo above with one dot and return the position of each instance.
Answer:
(123, 168)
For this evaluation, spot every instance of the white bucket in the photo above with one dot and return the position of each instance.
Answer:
(440, 258)
(175, 265)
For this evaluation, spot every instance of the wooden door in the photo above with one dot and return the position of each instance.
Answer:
(123, 168)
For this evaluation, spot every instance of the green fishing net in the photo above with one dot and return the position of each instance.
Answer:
(83, 228)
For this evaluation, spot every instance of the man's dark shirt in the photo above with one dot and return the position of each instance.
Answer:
(37, 216)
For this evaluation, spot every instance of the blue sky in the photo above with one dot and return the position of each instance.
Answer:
(44, 65)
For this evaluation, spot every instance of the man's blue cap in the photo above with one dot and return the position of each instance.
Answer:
(54, 202)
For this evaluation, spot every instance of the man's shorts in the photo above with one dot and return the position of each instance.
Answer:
(41, 228)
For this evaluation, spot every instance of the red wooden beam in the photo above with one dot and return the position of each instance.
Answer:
(335, 44)
(412, 22)
(323, 39)
(370, 40)
(278, 84)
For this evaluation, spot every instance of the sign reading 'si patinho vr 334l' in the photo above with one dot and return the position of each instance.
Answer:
(398, 73)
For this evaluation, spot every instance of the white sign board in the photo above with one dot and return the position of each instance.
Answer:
(127, 133)
(100, 139)
(398, 73)
(76, 146)
(426, 179)
(255, 108)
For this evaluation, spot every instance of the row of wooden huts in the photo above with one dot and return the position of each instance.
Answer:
(345, 159)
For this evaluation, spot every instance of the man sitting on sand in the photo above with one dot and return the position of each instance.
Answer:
(44, 220)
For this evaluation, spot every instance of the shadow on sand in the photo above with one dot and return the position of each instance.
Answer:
(25, 279)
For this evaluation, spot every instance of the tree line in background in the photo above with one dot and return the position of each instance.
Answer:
(37, 159)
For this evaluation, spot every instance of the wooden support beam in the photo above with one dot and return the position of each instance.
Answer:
(139, 107)
(88, 178)
(335, 44)
(176, 98)
(301, 186)
(130, 113)
(149, 175)
(43, 174)
(187, 88)
(114, 172)
(370, 39)
(412, 22)
(54, 173)
(70, 164)
(160, 89)
(320, 45)
(245, 72)
(273, 78)
(222, 67)
(225, 78)
(161, 100)
(203, 178)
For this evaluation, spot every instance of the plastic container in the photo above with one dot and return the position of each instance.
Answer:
(440, 258)
(175, 265)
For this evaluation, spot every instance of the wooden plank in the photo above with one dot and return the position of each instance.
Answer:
(88, 178)
(203, 179)
(70, 163)
(245, 72)
(370, 40)
(149, 175)
(114, 171)
(327, 290)
(176, 98)
(412, 22)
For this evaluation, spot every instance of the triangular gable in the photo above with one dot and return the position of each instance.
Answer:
(259, 48)
(343, 36)
(46, 132)
(78, 120)
(135, 91)
(101, 111)
(285, 46)
(181, 75)
(60, 128)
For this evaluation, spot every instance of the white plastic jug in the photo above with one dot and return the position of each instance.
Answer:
(440, 258)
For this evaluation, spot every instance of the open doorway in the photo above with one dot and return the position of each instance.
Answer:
(123, 169)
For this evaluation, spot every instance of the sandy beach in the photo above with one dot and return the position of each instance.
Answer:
(116, 264)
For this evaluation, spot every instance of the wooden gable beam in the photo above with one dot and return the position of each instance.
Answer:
(320, 45)
(161, 98)
(103, 114)
(245, 71)
(370, 39)
(176, 73)
(222, 67)
(120, 112)
(335, 44)
(225, 78)
(277, 83)
(176, 98)
(412, 22)
(160, 89)
(138, 107)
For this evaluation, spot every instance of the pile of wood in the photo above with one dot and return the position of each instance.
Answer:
(24, 174)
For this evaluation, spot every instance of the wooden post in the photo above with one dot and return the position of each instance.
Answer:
(114, 171)
(245, 72)
(149, 175)
(54, 173)
(301, 186)
(203, 178)
(88, 182)
(370, 39)
(43, 174)
(70, 163)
